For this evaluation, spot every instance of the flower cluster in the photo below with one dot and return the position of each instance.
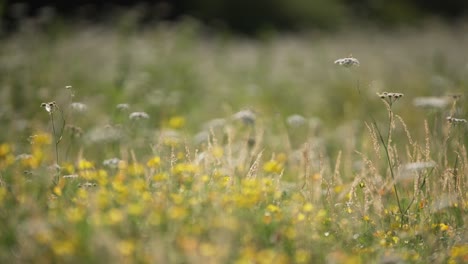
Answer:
(347, 62)
(50, 107)
(390, 98)
(454, 120)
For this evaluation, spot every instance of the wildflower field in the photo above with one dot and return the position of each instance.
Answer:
(174, 144)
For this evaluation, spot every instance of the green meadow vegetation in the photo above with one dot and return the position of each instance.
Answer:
(175, 144)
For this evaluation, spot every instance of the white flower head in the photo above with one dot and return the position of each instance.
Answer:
(347, 62)
(123, 107)
(138, 115)
(247, 116)
(296, 120)
(431, 102)
(78, 107)
(50, 107)
(111, 163)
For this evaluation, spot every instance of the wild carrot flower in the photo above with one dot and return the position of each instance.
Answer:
(296, 120)
(78, 107)
(347, 62)
(456, 121)
(390, 98)
(123, 107)
(246, 116)
(50, 107)
(431, 102)
(138, 115)
(111, 163)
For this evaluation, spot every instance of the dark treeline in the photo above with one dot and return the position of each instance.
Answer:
(247, 15)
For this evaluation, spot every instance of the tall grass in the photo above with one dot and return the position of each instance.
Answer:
(182, 146)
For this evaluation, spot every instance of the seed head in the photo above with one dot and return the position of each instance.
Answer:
(50, 107)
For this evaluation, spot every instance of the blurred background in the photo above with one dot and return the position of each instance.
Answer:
(247, 16)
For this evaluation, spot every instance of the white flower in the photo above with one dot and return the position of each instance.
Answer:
(111, 163)
(49, 107)
(296, 120)
(347, 62)
(138, 115)
(123, 107)
(431, 102)
(247, 116)
(417, 166)
(79, 107)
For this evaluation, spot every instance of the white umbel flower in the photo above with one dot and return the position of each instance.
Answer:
(138, 115)
(347, 62)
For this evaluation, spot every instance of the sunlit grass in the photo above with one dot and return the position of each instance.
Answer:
(178, 147)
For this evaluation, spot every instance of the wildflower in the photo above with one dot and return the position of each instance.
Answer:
(87, 185)
(273, 166)
(112, 163)
(78, 107)
(308, 207)
(123, 107)
(85, 164)
(431, 102)
(50, 107)
(296, 120)
(456, 121)
(40, 139)
(176, 122)
(417, 166)
(138, 115)
(126, 247)
(347, 62)
(390, 98)
(246, 116)
(154, 162)
(444, 227)
(5, 148)
(70, 176)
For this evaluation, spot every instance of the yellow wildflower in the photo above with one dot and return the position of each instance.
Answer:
(273, 166)
(5, 149)
(126, 247)
(177, 122)
(154, 162)
(85, 164)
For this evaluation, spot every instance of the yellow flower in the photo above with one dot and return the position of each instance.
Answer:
(154, 162)
(177, 122)
(273, 166)
(5, 148)
(273, 208)
(136, 169)
(308, 207)
(85, 165)
(160, 177)
(75, 214)
(217, 152)
(115, 216)
(41, 139)
(185, 167)
(63, 248)
(126, 247)
(444, 227)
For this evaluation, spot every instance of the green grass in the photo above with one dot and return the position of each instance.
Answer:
(193, 183)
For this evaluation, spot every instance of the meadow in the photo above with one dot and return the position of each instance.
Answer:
(176, 144)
